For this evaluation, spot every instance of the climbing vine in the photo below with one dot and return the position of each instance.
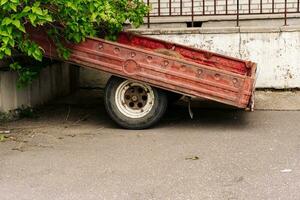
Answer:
(79, 19)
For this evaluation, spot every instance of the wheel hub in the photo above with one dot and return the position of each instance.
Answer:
(136, 97)
(135, 100)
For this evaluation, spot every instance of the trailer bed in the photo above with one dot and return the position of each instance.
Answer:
(173, 67)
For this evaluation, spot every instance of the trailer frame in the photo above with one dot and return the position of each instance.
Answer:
(204, 74)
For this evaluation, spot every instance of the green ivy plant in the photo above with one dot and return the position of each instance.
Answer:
(79, 19)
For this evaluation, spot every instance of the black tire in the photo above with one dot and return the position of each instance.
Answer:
(153, 115)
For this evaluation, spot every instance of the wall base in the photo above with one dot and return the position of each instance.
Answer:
(54, 81)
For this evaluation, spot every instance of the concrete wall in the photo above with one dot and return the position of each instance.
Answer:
(53, 81)
(91, 78)
(276, 50)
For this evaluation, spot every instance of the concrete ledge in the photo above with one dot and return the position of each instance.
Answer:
(165, 31)
(176, 19)
(178, 31)
(215, 30)
(273, 100)
(293, 28)
(259, 29)
(277, 100)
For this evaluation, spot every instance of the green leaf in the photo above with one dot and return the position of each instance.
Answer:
(37, 54)
(9, 30)
(13, 7)
(7, 51)
(3, 2)
(48, 18)
(11, 42)
(77, 38)
(26, 9)
(6, 21)
(37, 10)
(32, 19)
(19, 26)
(15, 66)
(5, 40)
(71, 5)
(17, 23)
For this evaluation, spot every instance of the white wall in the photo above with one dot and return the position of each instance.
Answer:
(53, 81)
(276, 50)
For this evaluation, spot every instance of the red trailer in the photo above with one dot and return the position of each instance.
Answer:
(146, 69)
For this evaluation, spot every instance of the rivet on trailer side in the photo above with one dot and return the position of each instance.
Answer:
(146, 69)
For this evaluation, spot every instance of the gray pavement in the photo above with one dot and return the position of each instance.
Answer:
(73, 151)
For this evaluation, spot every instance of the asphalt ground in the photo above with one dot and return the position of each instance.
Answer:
(71, 150)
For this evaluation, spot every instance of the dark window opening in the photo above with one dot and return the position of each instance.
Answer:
(196, 24)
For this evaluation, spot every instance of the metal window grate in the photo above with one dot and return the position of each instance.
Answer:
(195, 8)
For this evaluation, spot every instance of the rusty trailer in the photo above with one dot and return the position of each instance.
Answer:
(148, 67)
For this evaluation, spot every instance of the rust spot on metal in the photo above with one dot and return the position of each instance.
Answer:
(208, 55)
(168, 52)
(249, 64)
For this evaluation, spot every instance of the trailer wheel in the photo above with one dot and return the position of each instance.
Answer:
(134, 105)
